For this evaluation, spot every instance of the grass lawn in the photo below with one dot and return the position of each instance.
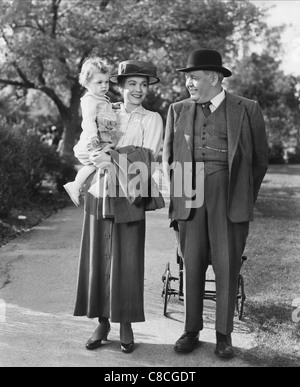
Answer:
(272, 272)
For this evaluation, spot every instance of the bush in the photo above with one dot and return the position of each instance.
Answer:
(294, 157)
(25, 163)
(276, 154)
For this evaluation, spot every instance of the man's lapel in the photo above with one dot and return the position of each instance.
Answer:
(235, 114)
(186, 122)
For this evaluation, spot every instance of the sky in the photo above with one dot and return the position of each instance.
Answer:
(287, 12)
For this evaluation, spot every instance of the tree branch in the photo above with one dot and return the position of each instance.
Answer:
(47, 90)
(55, 8)
(40, 27)
(16, 83)
(40, 74)
(104, 4)
(26, 81)
(55, 98)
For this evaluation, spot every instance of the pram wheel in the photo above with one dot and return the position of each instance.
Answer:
(209, 294)
(167, 288)
(241, 297)
(167, 292)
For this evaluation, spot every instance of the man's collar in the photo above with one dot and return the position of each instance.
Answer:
(218, 99)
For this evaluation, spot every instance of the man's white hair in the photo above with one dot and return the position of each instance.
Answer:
(220, 75)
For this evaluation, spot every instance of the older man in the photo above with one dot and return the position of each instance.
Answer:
(215, 157)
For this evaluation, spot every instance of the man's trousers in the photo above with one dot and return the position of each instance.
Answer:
(208, 236)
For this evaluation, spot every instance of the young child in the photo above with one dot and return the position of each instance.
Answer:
(96, 110)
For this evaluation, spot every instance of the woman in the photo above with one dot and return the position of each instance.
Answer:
(111, 272)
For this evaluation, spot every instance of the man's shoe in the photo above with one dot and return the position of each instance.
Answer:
(187, 342)
(224, 348)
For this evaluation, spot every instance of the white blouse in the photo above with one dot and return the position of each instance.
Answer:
(142, 128)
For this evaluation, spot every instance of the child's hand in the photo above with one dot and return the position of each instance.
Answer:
(108, 148)
(116, 105)
(112, 125)
(108, 124)
(104, 98)
(95, 142)
(99, 157)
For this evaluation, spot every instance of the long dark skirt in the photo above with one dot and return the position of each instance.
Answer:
(111, 270)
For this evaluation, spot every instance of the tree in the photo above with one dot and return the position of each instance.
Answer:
(259, 77)
(45, 42)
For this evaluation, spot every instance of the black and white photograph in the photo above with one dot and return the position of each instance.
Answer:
(149, 186)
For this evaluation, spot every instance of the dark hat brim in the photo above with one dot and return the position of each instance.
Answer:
(227, 73)
(152, 80)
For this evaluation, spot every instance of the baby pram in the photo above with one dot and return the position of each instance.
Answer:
(210, 293)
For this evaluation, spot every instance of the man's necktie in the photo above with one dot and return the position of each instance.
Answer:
(205, 108)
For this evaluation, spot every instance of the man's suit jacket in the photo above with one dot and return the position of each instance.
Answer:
(247, 155)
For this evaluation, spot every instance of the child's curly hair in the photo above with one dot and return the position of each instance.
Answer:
(90, 66)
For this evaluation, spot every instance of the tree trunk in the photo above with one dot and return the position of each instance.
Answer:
(71, 128)
(72, 122)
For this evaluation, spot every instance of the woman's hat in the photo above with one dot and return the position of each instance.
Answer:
(206, 60)
(136, 68)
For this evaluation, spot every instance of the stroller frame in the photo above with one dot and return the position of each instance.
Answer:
(169, 291)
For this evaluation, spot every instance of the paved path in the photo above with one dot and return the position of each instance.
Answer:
(37, 287)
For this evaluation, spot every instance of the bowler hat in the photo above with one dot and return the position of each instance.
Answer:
(136, 68)
(203, 59)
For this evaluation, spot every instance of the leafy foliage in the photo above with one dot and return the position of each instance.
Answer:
(25, 163)
(259, 77)
(45, 41)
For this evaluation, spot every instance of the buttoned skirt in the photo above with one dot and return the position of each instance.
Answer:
(111, 268)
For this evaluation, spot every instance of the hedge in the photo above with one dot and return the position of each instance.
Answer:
(25, 164)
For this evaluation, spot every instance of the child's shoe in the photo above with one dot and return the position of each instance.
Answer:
(95, 190)
(73, 190)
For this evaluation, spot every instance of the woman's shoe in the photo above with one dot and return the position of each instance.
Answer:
(94, 344)
(127, 348)
(126, 334)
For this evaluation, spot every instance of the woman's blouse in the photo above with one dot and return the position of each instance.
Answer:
(141, 128)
